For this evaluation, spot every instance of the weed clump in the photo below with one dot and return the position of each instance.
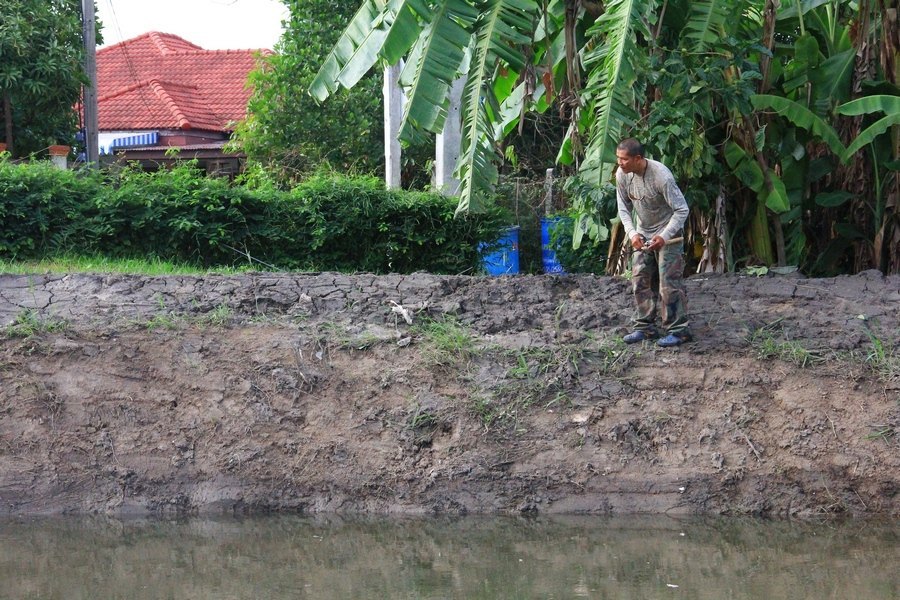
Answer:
(30, 323)
(446, 342)
(768, 346)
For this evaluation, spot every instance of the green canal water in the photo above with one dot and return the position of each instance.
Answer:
(466, 558)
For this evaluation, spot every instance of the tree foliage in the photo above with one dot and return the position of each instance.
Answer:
(747, 100)
(286, 129)
(41, 72)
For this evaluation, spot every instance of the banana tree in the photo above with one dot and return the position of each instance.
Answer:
(837, 198)
(886, 164)
(680, 75)
(493, 42)
(581, 56)
(441, 41)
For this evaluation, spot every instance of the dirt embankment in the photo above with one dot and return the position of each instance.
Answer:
(312, 392)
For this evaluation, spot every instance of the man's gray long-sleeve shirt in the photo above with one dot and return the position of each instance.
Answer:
(656, 200)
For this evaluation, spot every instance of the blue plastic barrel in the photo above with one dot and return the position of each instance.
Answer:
(504, 260)
(548, 251)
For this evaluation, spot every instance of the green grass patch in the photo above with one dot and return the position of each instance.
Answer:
(420, 417)
(337, 335)
(541, 378)
(537, 362)
(502, 409)
(884, 433)
(486, 410)
(164, 321)
(505, 405)
(217, 317)
(29, 323)
(609, 356)
(100, 264)
(883, 361)
(445, 341)
(534, 377)
(768, 346)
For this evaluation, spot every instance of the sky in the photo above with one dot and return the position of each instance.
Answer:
(210, 24)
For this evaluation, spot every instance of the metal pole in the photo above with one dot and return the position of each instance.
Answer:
(89, 92)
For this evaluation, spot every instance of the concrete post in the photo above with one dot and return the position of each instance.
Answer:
(447, 144)
(393, 114)
(59, 156)
(548, 192)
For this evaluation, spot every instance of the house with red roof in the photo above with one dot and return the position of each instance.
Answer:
(158, 91)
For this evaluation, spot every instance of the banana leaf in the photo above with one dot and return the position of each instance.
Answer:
(777, 197)
(833, 76)
(707, 22)
(889, 105)
(609, 90)
(870, 133)
(499, 32)
(744, 167)
(441, 55)
(832, 199)
(364, 22)
(800, 116)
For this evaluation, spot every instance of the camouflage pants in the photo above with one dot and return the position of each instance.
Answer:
(656, 280)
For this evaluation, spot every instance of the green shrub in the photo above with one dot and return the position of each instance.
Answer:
(179, 215)
(355, 224)
(590, 257)
(328, 222)
(38, 202)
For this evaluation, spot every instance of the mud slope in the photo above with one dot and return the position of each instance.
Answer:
(312, 392)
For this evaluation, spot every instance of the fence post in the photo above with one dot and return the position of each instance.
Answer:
(59, 156)
(548, 193)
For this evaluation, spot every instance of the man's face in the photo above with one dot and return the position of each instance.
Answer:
(626, 162)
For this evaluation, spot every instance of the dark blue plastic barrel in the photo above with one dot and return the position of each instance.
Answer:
(504, 260)
(548, 251)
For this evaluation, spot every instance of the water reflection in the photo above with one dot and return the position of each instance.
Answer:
(471, 558)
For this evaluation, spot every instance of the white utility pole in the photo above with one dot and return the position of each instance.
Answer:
(89, 92)
(447, 143)
(393, 114)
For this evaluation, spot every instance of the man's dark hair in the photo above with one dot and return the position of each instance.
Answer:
(631, 146)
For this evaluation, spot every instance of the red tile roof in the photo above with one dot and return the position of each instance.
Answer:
(161, 81)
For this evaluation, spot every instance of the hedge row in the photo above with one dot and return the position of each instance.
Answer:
(327, 223)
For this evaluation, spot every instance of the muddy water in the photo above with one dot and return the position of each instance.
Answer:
(471, 558)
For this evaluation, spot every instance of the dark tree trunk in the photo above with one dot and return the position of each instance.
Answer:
(7, 120)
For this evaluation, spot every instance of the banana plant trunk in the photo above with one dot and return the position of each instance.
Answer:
(760, 241)
(715, 257)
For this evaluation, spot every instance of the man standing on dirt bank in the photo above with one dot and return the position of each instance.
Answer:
(647, 188)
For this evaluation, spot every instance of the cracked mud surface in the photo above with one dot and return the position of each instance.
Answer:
(126, 394)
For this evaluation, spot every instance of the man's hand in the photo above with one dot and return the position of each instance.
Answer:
(637, 242)
(657, 243)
